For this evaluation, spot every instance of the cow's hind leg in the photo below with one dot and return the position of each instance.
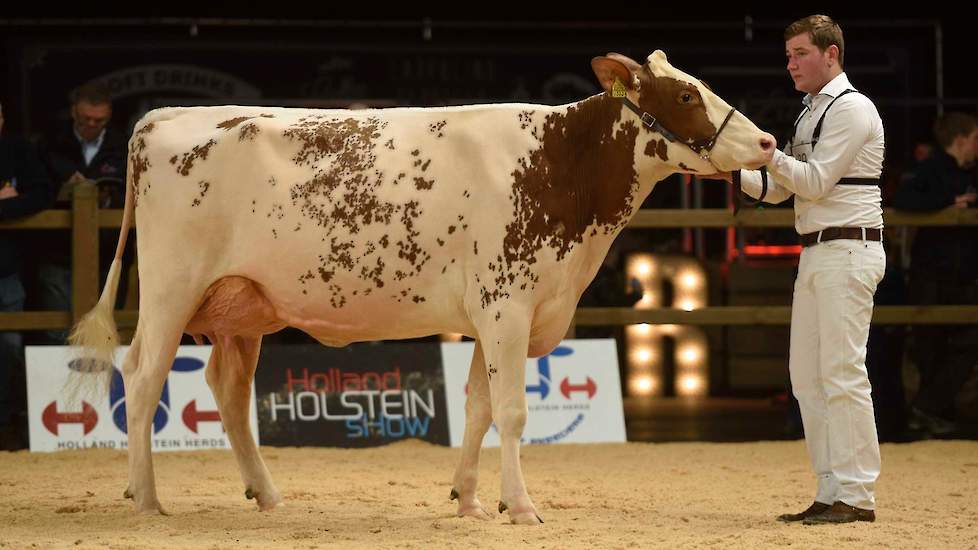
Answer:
(478, 417)
(144, 372)
(505, 345)
(229, 374)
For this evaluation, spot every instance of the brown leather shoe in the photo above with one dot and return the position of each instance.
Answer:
(840, 512)
(815, 509)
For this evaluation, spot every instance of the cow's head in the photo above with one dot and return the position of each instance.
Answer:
(692, 129)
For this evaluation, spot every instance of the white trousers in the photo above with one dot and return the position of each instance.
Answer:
(830, 316)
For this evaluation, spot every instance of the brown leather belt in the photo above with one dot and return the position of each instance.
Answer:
(833, 233)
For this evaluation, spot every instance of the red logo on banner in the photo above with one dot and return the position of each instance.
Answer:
(191, 416)
(590, 387)
(51, 418)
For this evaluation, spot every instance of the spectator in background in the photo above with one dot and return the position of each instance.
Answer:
(943, 271)
(86, 149)
(23, 191)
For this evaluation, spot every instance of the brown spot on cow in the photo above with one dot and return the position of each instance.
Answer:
(344, 191)
(650, 147)
(138, 160)
(422, 184)
(248, 132)
(437, 127)
(199, 152)
(278, 211)
(231, 123)
(374, 274)
(657, 148)
(408, 248)
(686, 168)
(204, 186)
(661, 150)
(558, 191)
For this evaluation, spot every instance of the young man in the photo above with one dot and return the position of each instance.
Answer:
(832, 165)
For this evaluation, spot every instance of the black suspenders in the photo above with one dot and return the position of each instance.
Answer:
(738, 194)
(818, 127)
(818, 132)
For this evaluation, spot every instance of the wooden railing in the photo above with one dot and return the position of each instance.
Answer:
(85, 219)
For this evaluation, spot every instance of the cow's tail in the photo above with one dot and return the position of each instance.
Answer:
(95, 337)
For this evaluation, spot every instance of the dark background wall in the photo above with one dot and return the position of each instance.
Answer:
(153, 56)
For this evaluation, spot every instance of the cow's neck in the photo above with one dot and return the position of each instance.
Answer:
(579, 188)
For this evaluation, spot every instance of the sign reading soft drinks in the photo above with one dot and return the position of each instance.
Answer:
(186, 417)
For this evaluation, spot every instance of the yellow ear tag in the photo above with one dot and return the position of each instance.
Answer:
(617, 89)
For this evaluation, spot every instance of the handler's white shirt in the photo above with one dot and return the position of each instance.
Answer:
(851, 145)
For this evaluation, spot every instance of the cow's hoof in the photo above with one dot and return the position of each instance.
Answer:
(525, 518)
(150, 508)
(524, 515)
(269, 501)
(473, 509)
(127, 493)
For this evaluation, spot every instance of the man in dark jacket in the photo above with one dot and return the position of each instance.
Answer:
(943, 270)
(87, 149)
(23, 191)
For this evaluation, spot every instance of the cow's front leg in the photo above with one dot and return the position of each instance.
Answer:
(478, 417)
(505, 355)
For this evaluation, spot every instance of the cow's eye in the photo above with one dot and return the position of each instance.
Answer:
(686, 98)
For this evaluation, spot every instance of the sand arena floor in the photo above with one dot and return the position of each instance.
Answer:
(635, 495)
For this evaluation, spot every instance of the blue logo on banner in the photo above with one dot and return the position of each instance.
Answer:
(117, 395)
(543, 369)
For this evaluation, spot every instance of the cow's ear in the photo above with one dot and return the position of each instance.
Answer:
(628, 62)
(609, 70)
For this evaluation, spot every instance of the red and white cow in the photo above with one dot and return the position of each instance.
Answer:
(485, 220)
